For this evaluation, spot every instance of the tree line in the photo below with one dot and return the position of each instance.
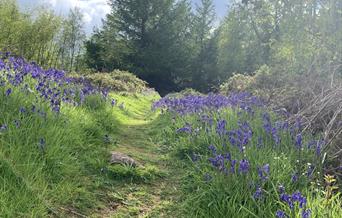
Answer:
(42, 36)
(173, 45)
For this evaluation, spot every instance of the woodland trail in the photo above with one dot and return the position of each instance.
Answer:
(152, 198)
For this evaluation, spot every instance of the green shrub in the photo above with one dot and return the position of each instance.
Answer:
(119, 81)
(238, 82)
(185, 92)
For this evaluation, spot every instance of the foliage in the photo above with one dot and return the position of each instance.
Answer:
(238, 82)
(292, 37)
(52, 151)
(118, 81)
(152, 37)
(42, 36)
(53, 156)
(245, 161)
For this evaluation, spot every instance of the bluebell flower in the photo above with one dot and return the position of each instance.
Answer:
(22, 110)
(267, 122)
(264, 172)
(299, 141)
(310, 170)
(232, 165)
(276, 136)
(17, 123)
(212, 148)
(294, 177)
(306, 213)
(257, 194)
(281, 214)
(281, 189)
(319, 146)
(287, 199)
(186, 129)
(218, 162)
(8, 92)
(260, 142)
(3, 127)
(227, 157)
(113, 102)
(244, 166)
(221, 127)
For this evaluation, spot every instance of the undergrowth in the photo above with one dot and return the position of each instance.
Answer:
(242, 160)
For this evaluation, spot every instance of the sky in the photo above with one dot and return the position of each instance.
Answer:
(95, 10)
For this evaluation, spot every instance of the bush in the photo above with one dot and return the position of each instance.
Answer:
(185, 92)
(119, 81)
(313, 97)
(238, 82)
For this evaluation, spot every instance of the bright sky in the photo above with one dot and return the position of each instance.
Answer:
(95, 10)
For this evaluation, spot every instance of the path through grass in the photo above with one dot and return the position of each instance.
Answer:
(148, 191)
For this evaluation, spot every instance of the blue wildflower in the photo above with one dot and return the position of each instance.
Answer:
(310, 170)
(294, 177)
(113, 102)
(276, 136)
(319, 146)
(287, 199)
(260, 142)
(299, 141)
(257, 194)
(212, 148)
(281, 214)
(22, 110)
(306, 213)
(264, 172)
(3, 127)
(267, 122)
(8, 92)
(221, 127)
(232, 165)
(218, 162)
(186, 129)
(281, 189)
(244, 166)
(17, 123)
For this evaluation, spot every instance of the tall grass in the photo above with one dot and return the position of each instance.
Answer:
(244, 161)
(52, 147)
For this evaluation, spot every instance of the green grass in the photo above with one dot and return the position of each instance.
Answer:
(70, 175)
(232, 195)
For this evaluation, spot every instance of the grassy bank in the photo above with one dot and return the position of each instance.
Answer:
(243, 160)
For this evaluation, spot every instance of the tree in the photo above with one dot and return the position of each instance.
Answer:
(149, 38)
(205, 49)
(72, 39)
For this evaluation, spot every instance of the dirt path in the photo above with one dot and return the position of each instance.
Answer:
(156, 197)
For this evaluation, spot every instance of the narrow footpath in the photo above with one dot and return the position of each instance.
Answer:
(156, 196)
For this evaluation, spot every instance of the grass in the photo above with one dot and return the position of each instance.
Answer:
(58, 165)
(209, 191)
